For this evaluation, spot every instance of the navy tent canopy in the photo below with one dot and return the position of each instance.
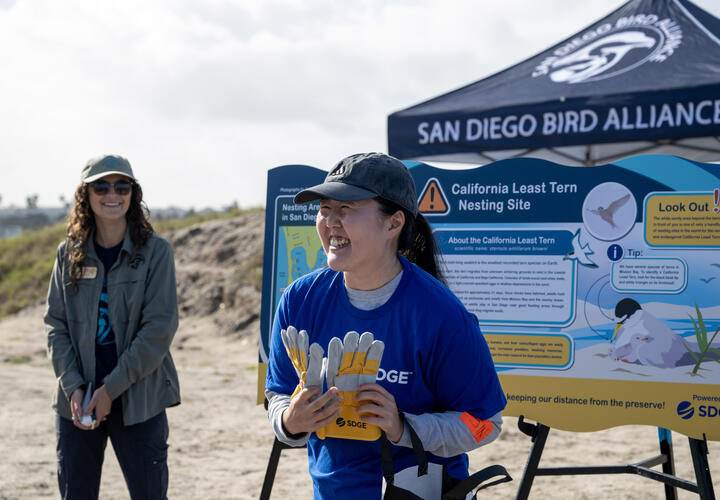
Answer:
(644, 79)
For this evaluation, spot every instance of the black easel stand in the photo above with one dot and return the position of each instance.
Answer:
(272, 465)
(698, 449)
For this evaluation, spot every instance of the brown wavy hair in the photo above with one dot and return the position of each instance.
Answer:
(81, 224)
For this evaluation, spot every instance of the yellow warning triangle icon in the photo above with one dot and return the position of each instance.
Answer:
(432, 199)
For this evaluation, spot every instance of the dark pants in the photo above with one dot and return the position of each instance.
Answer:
(141, 450)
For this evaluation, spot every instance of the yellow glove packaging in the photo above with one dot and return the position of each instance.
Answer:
(350, 363)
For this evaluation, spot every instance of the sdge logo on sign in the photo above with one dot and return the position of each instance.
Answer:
(612, 49)
(685, 410)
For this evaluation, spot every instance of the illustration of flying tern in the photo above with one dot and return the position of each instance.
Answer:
(580, 252)
(607, 214)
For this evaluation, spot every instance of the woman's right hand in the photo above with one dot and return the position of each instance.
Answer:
(310, 411)
(76, 408)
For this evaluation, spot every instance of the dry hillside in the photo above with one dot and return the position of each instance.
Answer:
(219, 271)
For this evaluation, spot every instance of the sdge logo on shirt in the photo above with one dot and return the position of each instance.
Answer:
(394, 376)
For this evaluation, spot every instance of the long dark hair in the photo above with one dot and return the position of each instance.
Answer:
(81, 223)
(416, 241)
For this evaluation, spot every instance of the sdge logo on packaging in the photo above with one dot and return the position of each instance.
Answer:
(685, 410)
(341, 422)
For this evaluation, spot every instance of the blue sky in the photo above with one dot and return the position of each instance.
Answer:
(204, 96)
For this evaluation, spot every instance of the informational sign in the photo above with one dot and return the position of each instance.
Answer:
(597, 289)
(292, 247)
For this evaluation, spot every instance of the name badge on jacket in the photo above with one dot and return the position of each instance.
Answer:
(88, 273)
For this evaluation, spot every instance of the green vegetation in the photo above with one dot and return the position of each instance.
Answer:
(702, 338)
(17, 360)
(25, 265)
(26, 260)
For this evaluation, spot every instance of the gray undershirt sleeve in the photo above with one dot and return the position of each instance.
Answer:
(445, 434)
(277, 403)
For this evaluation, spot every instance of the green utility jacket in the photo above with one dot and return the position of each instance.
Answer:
(142, 299)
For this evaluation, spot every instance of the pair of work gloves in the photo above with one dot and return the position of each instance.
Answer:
(350, 362)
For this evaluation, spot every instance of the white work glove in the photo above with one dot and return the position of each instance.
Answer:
(307, 359)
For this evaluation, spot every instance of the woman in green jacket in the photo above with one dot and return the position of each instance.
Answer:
(111, 316)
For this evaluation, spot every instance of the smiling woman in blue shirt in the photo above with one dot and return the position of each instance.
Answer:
(436, 375)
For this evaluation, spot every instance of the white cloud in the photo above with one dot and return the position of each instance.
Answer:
(204, 97)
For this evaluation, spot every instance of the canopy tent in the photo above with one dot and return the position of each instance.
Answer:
(644, 79)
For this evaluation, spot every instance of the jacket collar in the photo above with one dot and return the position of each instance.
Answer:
(127, 244)
(127, 241)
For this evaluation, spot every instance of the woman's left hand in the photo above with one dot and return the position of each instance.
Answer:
(380, 410)
(101, 403)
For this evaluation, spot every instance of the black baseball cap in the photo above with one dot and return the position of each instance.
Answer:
(366, 175)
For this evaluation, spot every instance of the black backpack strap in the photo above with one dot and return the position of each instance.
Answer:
(460, 491)
(392, 492)
(457, 492)
(388, 470)
(418, 449)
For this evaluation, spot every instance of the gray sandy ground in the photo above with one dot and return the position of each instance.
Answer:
(220, 440)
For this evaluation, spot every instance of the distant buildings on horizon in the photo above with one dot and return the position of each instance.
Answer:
(14, 220)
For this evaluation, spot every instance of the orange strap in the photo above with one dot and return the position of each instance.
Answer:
(480, 429)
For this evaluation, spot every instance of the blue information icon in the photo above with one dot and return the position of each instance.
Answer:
(615, 252)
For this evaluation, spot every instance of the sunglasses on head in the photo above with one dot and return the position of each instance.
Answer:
(102, 187)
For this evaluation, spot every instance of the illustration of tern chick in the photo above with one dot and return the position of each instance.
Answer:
(641, 338)
(608, 213)
(580, 252)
